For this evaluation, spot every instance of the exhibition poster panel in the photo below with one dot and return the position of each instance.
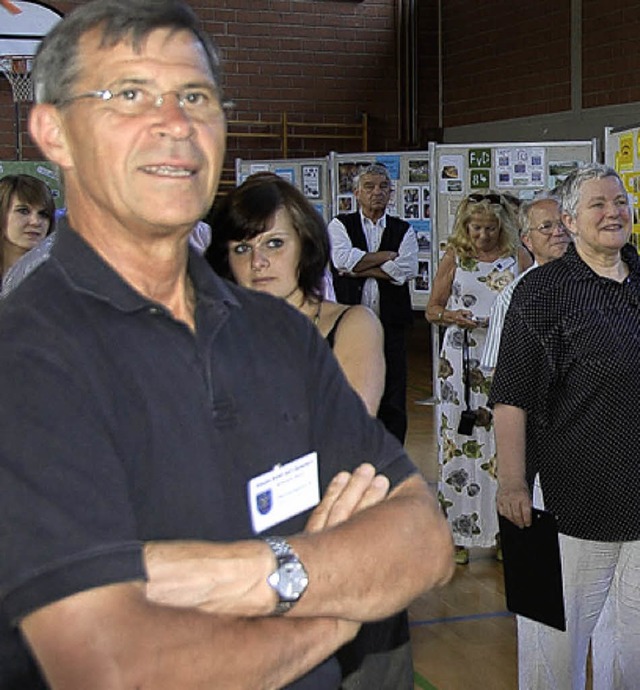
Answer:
(517, 169)
(622, 152)
(310, 176)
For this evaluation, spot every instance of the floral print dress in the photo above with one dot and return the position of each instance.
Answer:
(467, 482)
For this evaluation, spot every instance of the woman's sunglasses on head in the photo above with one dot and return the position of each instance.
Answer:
(491, 198)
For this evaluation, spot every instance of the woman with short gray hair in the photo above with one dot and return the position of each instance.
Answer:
(566, 397)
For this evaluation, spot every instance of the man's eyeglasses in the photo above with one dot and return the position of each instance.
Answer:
(491, 198)
(549, 226)
(201, 103)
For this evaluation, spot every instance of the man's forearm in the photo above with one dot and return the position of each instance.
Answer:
(372, 273)
(353, 567)
(118, 640)
(222, 578)
(378, 561)
(374, 260)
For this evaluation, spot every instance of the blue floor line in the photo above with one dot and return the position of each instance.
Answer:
(458, 619)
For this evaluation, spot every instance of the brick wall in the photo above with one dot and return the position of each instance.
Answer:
(428, 74)
(505, 59)
(318, 61)
(611, 51)
(331, 60)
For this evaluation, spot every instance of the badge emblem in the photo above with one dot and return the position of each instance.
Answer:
(264, 502)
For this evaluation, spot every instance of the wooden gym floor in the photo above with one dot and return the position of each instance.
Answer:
(462, 635)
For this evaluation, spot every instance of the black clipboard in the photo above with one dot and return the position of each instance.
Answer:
(533, 570)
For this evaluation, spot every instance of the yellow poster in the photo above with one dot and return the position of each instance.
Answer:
(624, 155)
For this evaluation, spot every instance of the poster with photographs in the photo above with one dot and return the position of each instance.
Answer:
(418, 171)
(287, 174)
(450, 174)
(520, 167)
(346, 203)
(560, 170)
(311, 181)
(423, 235)
(411, 203)
(421, 283)
(392, 206)
(347, 172)
(426, 203)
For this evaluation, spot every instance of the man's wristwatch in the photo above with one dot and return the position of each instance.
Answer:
(289, 580)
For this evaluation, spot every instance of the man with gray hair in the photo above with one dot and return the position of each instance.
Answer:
(374, 256)
(191, 494)
(544, 235)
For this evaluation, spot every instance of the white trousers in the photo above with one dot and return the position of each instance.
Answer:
(602, 606)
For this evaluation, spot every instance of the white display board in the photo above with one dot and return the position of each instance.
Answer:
(309, 175)
(520, 169)
(622, 152)
(410, 173)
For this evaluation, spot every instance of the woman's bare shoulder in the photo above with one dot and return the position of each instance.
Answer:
(358, 320)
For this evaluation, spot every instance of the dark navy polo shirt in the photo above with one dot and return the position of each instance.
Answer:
(119, 425)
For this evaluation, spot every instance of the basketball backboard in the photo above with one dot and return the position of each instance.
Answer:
(21, 32)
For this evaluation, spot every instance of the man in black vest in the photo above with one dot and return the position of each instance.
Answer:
(374, 255)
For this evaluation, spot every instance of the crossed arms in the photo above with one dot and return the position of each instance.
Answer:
(370, 265)
(203, 617)
(397, 267)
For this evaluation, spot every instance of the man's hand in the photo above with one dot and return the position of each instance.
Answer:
(229, 578)
(514, 502)
(346, 495)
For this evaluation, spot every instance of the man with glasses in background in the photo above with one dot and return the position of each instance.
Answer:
(543, 234)
(374, 256)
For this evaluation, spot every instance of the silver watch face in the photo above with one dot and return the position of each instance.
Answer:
(290, 579)
(293, 580)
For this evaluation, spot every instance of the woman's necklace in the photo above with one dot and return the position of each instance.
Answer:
(303, 307)
(316, 318)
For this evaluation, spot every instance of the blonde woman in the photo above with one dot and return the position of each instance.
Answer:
(481, 259)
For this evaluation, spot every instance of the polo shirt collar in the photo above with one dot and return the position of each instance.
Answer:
(581, 269)
(90, 273)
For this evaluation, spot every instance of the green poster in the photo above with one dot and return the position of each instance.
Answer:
(479, 158)
(479, 179)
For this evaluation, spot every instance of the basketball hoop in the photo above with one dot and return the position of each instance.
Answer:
(17, 69)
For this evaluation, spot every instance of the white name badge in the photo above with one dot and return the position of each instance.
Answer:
(285, 491)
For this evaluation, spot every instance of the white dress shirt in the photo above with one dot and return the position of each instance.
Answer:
(345, 256)
(496, 323)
